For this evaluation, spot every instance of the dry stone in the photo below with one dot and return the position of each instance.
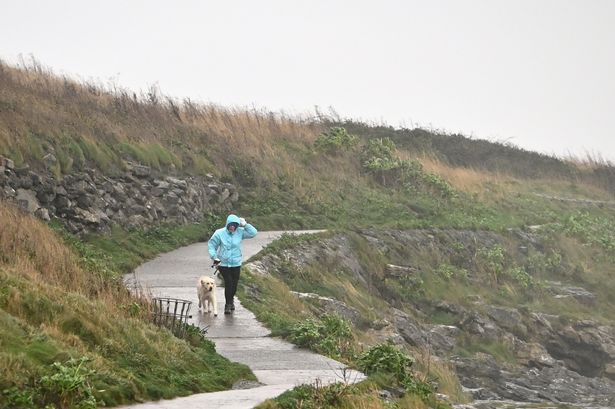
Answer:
(89, 201)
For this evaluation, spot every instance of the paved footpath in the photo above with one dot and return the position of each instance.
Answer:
(277, 364)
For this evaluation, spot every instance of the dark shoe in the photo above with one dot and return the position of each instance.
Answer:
(227, 308)
(233, 307)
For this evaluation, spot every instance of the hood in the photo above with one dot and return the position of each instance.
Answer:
(232, 219)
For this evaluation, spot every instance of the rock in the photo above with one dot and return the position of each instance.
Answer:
(379, 324)
(331, 305)
(50, 160)
(532, 354)
(7, 192)
(443, 337)
(161, 184)
(86, 217)
(245, 384)
(26, 199)
(392, 270)
(63, 203)
(480, 371)
(99, 198)
(609, 371)
(474, 324)
(224, 195)
(507, 318)
(585, 347)
(84, 201)
(45, 193)
(136, 221)
(42, 214)
(141, 171)
(580, 294)
(7, 163)
(410, 329)
(257, 268)
(450, 308)
(182, 184)
(25, 182)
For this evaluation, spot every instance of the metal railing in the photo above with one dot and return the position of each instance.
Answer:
(171, 313)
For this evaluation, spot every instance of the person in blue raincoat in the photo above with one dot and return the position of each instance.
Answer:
(225, 251)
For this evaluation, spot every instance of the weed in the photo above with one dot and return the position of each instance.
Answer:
(449, 272)
(18, 398)
(386, 358)
(493, 259)
(335, 140)
(593, 230)
(521, 277)
(331, 335)
(69, 384)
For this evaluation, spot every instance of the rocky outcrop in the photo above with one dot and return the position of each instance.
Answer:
(90, 201)
(332, 306)
(487, 379)
(525, 356)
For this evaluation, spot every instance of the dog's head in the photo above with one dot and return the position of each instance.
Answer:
(208, 283)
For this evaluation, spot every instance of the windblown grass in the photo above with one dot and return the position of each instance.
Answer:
(53, 310)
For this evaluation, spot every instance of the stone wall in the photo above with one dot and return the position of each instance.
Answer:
(90, 201)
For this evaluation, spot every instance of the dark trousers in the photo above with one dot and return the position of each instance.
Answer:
(231, 278)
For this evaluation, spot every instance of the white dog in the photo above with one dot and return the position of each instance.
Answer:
(206, 290)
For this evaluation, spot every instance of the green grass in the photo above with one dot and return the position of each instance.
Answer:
(120, 251)
(128, 359)
(470, 345)
(375, 182)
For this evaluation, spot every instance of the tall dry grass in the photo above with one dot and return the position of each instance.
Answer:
(28, 248)
(37, 102)
(589, 162)
(431, 368)
(32, 249)
(466, 180)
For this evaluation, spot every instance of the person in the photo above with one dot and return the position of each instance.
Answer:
(225, 250)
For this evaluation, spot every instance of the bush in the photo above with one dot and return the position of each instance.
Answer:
(331, 336)
(378, 158)
(335, 140)
(69, 384)
(387, 359)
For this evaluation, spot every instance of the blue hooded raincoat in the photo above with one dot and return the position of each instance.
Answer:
(226, 246)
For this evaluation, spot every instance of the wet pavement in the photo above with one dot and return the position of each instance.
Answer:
(277, 364)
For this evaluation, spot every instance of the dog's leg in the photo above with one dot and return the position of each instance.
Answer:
(215, 305)
(198, 293)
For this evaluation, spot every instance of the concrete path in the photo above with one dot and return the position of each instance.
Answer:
(277, 364)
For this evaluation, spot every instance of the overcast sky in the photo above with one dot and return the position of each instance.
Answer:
(538, 74)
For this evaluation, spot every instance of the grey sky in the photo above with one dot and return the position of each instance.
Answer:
(539, 74)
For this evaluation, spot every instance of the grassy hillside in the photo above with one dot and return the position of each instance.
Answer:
(72, 336)
(292, 172)
(58, 293)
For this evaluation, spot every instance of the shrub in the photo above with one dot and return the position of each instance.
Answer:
(335, 140)
(449, 272)
(493, 259)
(521, 277)
(69, 384)
(378, 154)
(387, 359)
(331, 336)
(378, 158)
(18, 398)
